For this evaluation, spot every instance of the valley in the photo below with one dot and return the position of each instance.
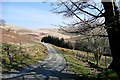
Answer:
(25, 57)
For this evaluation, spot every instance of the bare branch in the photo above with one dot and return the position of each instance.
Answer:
(96, 8)
(83, 10)
(73, 12)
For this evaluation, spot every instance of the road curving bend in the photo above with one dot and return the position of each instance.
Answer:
(52, 68)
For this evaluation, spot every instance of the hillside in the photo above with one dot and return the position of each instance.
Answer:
(19, 57)
(13, 37)
(37, 33)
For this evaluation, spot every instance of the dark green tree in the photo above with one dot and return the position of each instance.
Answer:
(56, 41)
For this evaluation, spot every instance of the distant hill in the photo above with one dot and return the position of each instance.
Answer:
(37, 33)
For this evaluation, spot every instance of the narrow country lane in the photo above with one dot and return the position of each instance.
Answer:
(52, 68)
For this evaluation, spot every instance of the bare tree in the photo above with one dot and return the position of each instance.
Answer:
(2, 22)
(99, 15)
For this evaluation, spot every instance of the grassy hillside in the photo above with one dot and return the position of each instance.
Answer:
(84, 71)
(16, 57)
(13, 37)
(87, 57)
(37, 33)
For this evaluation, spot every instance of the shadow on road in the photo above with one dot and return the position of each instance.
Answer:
(41, 73)
(52, 68)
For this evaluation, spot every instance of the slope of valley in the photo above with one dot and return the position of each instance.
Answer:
(13, 37)
(37, 33)
(19, 60)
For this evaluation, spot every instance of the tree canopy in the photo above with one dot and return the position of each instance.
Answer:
(56, 41)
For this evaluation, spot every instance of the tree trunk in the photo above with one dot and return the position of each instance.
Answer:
(113, 29)
(114, 40)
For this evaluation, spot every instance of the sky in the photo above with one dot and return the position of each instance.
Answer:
(32, 15)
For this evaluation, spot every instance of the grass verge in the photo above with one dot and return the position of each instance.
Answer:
(74, 64)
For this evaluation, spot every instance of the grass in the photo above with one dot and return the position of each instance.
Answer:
(74, 64)
(16, 57)
(84, 73)
(103, 63)
(108, 74)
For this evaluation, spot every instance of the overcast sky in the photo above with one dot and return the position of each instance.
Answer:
(33, 15)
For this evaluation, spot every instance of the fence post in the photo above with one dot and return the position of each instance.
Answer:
(105, 61)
